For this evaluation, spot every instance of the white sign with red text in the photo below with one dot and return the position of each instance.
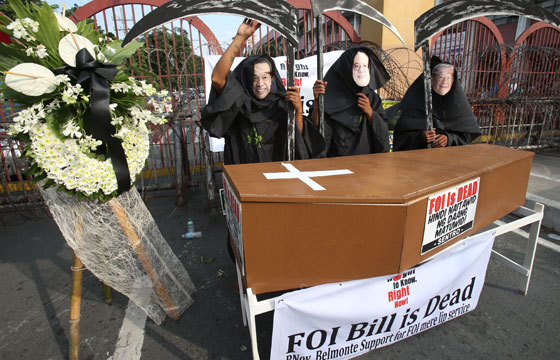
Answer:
(450, 213)
(305, 74)
(344, 320)
(233, 218)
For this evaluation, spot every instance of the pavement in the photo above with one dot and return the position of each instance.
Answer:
(544, 187)
(36, 283)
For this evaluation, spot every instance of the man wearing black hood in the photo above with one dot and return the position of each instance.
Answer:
(355, 122)
(453, 119)
(248, 107)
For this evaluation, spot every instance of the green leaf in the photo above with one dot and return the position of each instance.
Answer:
(120, 53)
(13, 53)
(87, 30)
(20, 98)
(20, 9)
(49, 183)
(38, 178)
(55, 125)
(48, 34)
(4, 20)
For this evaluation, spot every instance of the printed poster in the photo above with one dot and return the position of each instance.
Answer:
(233, 218)
(450, 213)
(344, 320)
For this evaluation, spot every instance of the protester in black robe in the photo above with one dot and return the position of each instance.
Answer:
(256, 128)
(249, 108)
(355, 122)
(453, 120)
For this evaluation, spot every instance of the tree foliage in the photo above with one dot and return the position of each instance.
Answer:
(167, 58)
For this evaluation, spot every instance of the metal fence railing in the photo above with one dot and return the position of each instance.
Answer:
(514, 90)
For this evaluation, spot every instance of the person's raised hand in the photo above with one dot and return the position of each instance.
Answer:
(248, 27)
(364, 105)
(293, 97)
(319, 87)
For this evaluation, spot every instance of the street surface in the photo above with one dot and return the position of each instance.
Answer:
(36, 282)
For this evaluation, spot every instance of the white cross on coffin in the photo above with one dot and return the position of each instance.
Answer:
(305, 176)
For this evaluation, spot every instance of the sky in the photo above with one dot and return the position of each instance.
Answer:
(224, 27)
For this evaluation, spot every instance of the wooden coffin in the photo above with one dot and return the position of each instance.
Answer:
(376, 218)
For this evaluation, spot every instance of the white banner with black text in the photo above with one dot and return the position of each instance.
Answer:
(344, 320)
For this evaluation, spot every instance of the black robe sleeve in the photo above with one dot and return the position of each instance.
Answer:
(408, 140)
(309, 144)
(380, 128)
(411, 140)
(222, 109)
(455, 138)
(363, 137)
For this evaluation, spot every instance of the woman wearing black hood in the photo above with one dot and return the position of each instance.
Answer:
(249, 108)
(355, 122)
(453, 120)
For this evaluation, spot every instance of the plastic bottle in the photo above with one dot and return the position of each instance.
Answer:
(192, 235)
(190, 226)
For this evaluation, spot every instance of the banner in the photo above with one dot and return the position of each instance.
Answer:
(344, 320)
(305, 74)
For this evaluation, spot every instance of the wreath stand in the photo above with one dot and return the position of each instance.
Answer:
(121, 245)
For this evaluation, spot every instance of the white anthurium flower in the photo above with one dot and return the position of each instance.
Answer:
(69, 46)
(31, 79)
(65, 24)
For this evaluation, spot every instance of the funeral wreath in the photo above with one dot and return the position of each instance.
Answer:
(82, 120)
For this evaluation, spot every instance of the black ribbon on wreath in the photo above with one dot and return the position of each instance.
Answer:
(94, 76)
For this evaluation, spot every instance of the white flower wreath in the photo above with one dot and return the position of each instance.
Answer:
(52, 126)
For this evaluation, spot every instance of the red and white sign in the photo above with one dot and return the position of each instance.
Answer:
(344, 320)
(233, 218)
(449, 214)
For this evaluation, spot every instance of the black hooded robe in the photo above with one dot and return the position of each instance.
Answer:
(256, 130)
(347, 129)
(452, 116)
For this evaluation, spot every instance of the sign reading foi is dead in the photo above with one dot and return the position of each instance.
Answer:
(450, 213)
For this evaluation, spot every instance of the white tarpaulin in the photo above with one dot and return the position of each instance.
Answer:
(344, 320)
(305, 74)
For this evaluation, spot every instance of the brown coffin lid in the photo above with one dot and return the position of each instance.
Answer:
(392, 178)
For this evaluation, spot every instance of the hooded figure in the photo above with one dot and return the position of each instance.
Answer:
(355, 122)
(453, 119)
(255, 129)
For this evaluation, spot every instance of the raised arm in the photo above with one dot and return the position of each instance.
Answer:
(219, 75)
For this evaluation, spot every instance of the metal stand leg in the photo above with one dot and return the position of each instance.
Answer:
(241, 294)
(531, 250)
(250, 308)
(252, 300)
(533, 217)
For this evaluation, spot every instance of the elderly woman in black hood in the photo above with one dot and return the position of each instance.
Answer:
(249, 108)
(355, 122)
(453, 120)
